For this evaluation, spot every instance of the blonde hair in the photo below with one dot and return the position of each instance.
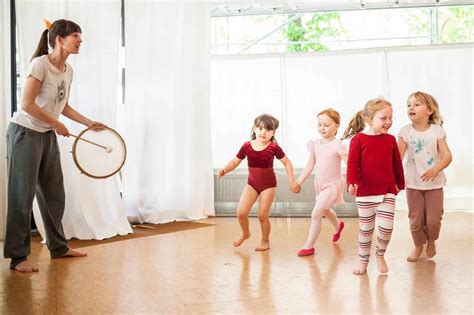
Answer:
(430, 102)
(357, 123)
(266, 121)
(333, 114)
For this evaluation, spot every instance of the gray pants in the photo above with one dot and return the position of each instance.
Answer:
(34, 168)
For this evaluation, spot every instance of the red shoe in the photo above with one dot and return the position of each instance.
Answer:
(337, 236)
(306, 252)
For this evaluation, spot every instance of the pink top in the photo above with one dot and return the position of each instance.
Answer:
(327, 160)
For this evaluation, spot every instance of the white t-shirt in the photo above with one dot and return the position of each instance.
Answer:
(53, 93)
(421, 155)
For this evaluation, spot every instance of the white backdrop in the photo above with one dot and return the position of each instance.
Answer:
(94, 209)
(169, 172)
(295, 88)
(5, 103)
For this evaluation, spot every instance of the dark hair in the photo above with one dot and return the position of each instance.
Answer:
(266, 121)
(60, 28)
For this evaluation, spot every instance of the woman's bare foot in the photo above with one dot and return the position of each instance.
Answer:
(241, 239)
(415, 254)
(26, 266)
(381, 264)
(360, 269)
(263, 246)
(431, 249)
(73, 253)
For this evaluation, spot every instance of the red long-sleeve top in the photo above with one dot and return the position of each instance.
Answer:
(374, 164)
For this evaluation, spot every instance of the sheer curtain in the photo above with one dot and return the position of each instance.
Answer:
(5, 101)
(169, 172)
(295, 87)
(94, 208)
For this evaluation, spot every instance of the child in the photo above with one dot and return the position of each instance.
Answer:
(260, 152)
(326, 154)
(428, 154)
(374, 176)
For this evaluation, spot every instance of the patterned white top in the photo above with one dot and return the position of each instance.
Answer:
(421, 155)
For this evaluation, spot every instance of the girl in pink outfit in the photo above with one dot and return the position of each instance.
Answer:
(326, 154)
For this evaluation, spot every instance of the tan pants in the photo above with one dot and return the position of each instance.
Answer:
(425, 210)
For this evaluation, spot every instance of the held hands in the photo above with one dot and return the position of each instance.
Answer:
(352, 189)
(430, 174)
(295, 187)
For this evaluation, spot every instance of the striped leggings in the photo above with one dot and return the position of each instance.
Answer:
(368, 211)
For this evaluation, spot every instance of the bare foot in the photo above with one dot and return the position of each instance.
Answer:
(26, 266)
(381, 264)
(263, 246)
(241, 239)
(73, 253)
(360, 269)
(415, 254)
(431, 249)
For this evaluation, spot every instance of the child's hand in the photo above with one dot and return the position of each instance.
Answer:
(430, 174)
(221, 173)
(353, 189)
(295, 187)
(398, 189)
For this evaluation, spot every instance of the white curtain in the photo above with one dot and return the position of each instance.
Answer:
(169, 172)
(94, 208)
(295, 87)
(5, 103)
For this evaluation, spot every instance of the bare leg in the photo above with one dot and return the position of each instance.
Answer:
(247, 199)
(417, 251)
(266, 200)
(431, 249)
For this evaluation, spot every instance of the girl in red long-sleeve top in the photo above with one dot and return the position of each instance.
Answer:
(374, 176)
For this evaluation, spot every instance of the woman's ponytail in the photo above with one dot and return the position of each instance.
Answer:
(42, 48)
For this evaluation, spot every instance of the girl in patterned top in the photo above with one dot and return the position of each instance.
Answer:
(260, 152)
(424, 141)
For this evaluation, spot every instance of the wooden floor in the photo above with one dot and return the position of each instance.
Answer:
(198, 271)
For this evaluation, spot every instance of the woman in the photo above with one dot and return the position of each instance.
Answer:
(34, 166)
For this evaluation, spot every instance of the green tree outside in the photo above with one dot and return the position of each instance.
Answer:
(321, 26)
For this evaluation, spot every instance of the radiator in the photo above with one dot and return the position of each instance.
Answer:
(227, 191)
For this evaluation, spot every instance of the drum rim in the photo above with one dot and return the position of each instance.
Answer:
(77, 162)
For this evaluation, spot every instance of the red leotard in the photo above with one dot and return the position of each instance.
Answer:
(261, 174)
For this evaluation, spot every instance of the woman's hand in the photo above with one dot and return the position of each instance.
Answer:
(61, 129)
(221, 173)
(96, 124)
(352, 189)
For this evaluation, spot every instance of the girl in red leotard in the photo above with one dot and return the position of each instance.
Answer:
(260, 152)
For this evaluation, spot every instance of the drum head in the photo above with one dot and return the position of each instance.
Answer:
(102, 159)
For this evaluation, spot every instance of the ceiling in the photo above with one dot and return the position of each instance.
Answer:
(247, 7)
